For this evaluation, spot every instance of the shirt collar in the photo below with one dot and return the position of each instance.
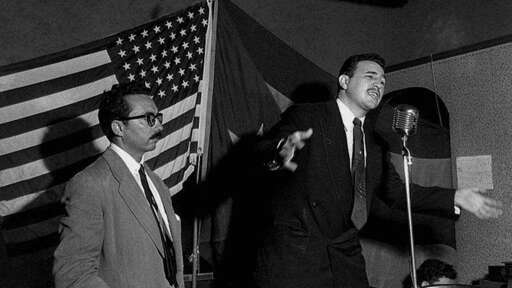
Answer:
(130, 162)
(347, 116)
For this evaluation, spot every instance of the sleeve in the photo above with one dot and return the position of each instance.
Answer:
(428, 200)
(76, 259)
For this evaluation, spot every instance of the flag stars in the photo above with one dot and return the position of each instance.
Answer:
(201, 11)
(131, 37)
(122, 53)
(161, 93)
(193, 28)
(152, 57)
(136, 49)
(204, 22)
(140, 61)
(142, 73)
(196, 78)
(184, 84)
(189, 55)
(144, 33)
(148, 45)
(168, 24)
(159, 81)
(161, 41)
(147, 84)
(154, 69)
(131, 77)
(174, 49)
(181, 71)
(174, 88)
(180, 20)
(172, 36)
(164, 53)
(183, 32)
(156, 29)
(126, 66)
(185, 45)
(200, 50)
(177, 60)
(169, 77)
(196, 40)
(167, 64)
(192, 67)
(119, 41)
(190, 15)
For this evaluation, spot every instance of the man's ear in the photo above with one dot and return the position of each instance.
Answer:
(117, 128)
(343, 81)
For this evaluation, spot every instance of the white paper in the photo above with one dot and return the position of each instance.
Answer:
(474, 171)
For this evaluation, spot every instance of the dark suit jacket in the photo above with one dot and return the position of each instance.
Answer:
(311, 241)
(109, 235)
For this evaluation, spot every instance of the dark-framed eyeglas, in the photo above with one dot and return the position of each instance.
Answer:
(150, 118)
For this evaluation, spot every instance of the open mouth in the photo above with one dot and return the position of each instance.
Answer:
(374, 94)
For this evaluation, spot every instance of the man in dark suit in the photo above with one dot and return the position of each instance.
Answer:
(332, 165)
(120, 229)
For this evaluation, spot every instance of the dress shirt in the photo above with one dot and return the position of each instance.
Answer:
(134, 166)
(348, 117)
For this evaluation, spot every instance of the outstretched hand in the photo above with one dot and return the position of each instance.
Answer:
(472, 200)
(292, 142)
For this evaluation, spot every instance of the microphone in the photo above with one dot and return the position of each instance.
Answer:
(405, 119)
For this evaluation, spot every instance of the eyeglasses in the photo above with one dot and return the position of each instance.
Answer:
(150, 118)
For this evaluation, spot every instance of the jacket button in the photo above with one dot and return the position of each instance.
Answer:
(314, 204)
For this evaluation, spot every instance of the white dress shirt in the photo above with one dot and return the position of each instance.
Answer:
(348, 118)
(134, 166)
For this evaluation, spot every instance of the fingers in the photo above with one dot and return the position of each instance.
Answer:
(297, 138)
(294, 141)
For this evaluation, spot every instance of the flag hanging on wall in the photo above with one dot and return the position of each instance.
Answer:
(49, 127)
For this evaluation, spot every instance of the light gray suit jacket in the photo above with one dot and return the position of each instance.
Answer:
(109, 235)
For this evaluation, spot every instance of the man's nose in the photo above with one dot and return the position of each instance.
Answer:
(158, 125)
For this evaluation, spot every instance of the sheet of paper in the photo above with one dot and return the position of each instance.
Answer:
(474, 171)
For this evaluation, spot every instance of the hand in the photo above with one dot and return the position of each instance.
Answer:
(292, 142)
(472, 200)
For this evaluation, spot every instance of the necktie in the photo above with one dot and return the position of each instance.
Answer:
(359, 212)
(169, 258)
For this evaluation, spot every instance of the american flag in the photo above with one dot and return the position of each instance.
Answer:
(49, 127)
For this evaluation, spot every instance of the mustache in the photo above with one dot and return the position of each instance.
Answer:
(157, 135)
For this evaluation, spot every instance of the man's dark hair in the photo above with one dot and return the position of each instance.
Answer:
(433, 269)
(350, 65)
(113, 105)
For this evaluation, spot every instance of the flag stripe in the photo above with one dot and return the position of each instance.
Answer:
(36, 175)
(53, 162)
(32, 216)
(47, 138)
(43, 182)
(28, 93)
(49, 148)
(31, 201)
(59, 121)
(33, 245)
(53, 71)
(55, 100)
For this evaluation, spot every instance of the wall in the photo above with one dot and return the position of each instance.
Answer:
(476, 90)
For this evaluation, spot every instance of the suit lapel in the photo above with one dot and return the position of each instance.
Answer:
(134, 198)
(335, 142)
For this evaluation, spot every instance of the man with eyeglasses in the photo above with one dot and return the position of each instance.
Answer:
(120, 229)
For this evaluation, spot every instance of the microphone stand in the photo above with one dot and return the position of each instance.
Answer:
(407, 164)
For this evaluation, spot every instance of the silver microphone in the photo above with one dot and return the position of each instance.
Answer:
(405, 119)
